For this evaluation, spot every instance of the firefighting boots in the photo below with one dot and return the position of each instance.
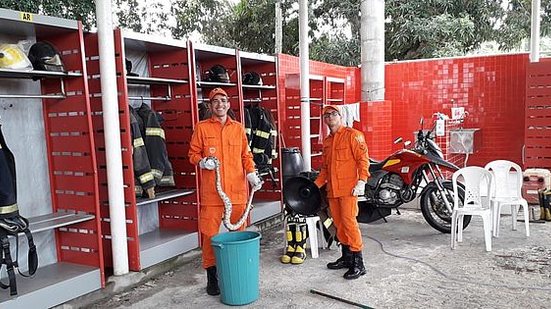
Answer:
(357, 267)
(291, 244)
(300, 239)
(545, 208)
(212, 281)
(344, 261)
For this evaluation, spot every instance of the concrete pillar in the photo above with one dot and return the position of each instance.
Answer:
(373, 49)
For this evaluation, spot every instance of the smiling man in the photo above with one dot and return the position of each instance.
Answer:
(344, 171)
(225, 139)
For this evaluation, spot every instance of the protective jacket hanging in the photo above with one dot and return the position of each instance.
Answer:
(142, 170)
(11, 223)
(154, 138)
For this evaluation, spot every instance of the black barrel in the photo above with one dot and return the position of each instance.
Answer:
(292, 163)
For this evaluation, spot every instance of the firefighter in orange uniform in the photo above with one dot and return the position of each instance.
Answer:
(225, 139)
(345, 171)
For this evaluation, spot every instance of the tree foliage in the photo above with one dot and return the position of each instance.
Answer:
(72, 9)
(515, 26)
(414, 28)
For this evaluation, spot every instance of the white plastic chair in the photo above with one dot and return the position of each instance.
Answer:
(507, 172)
(473, 204)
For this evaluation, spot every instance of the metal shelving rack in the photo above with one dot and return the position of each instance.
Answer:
(71, 165)
(170, 94)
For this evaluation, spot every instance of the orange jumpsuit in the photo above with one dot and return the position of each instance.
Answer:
(345, 161)
(228, 143)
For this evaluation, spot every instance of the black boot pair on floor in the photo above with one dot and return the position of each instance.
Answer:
(351, 260)
(212, 281)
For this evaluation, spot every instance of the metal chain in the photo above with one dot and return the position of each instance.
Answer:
(227, 202)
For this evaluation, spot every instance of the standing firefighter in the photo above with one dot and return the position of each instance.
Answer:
(225, 139)
(345, 170)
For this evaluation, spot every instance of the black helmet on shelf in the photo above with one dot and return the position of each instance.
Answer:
(128, 65)
(45, 57)
(217, 73)
(252, 78)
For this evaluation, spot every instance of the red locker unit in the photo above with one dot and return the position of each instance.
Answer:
(168, 79)
(71, 163)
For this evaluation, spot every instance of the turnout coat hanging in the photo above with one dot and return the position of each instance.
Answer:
(11, 223)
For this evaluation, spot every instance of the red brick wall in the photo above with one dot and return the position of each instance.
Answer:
(490, 88)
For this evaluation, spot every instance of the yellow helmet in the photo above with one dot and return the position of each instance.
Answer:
(12, 57)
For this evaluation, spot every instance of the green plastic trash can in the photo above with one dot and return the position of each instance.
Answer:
(237, 262)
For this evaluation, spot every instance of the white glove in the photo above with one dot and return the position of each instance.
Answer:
(254, 181)
(359, 189)
(207, 164)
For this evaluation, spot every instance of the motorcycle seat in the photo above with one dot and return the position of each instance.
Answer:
(375, 165)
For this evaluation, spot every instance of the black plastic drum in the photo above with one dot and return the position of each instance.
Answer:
(292, 163)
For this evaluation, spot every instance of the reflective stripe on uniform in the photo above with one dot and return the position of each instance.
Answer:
(262, 134)
(8, 209)
(167, 180)
(155, 132)
(138, 142)
(258, 150)
(145, 177)
(156, 173)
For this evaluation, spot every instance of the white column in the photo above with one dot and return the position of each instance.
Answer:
(278, 27)
(304, 85)
(112, 135)
(372, 33)
(535, 32)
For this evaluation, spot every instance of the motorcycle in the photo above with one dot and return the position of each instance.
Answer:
(398, 179)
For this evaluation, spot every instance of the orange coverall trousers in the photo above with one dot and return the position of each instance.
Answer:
(344, 210)
(209, 226)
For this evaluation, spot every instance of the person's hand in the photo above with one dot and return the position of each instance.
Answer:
(359, 189)
(254, 181)
(207, 164)
(150, 192)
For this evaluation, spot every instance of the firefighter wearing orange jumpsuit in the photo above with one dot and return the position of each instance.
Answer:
(345, 171)
(225, 139)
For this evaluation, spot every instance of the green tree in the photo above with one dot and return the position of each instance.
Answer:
(83, 10)
(432, 28)
(516, 24)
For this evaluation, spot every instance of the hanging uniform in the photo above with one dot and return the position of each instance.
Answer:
(264, 135)
(248, 129)
(154, 139)
(11, 223)
(143, 177)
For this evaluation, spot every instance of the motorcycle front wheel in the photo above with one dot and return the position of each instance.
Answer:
(434, 210)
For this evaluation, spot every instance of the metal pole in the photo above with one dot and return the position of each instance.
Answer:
(112, 135)
(304, 84)
(278, 27)
(372, 33)
(535, 32)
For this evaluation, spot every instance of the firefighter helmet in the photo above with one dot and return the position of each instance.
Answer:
(12, 57)
(217, 73)
(128, 65)
(45, 57)
(252, 78)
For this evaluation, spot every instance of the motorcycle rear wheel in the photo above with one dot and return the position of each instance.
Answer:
(436, 214)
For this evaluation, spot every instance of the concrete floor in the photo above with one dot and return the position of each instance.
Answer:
(410, 266)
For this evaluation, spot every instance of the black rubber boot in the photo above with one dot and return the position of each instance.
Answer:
(212, 281)
(357, 268)
(344, 261)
